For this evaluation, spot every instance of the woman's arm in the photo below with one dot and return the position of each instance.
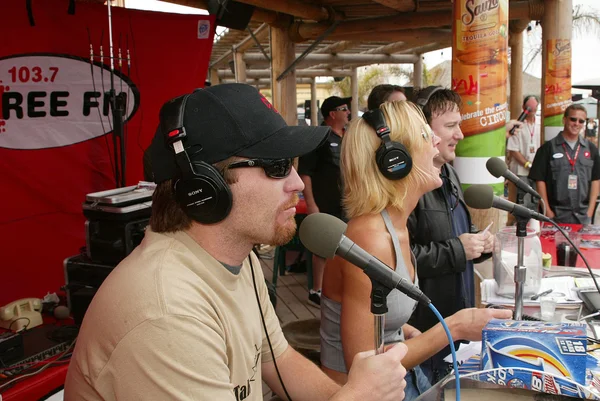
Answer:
(357, 328)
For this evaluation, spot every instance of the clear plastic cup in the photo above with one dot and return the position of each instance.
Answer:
(547, 308)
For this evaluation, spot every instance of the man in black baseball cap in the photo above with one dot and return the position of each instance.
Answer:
(187, 316)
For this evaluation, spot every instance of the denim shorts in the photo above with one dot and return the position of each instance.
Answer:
(416, 384)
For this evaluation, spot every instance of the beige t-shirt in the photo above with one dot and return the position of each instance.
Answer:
(526, 142)
(172, 323)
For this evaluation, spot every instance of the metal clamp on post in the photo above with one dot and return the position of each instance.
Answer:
(379, 308)
(520, 269)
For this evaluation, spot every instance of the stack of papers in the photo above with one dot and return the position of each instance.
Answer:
(563, 289)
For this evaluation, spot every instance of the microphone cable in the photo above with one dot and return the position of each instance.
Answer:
(262, 317)
(452, 348)
(564, 233)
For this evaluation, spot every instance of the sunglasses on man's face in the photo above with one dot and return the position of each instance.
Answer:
(575, 119)
(343, 108)
(274, 168)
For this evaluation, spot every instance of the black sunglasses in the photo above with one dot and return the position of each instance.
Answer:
(575, 119)
(274, 168)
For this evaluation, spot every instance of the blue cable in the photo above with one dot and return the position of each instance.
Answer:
(452, 349)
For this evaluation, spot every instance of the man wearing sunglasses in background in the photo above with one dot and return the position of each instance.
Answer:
(440, 229)
(187, 316)
(320, 172)
(567, 171)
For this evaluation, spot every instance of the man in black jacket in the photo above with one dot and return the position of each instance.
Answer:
(440, 229)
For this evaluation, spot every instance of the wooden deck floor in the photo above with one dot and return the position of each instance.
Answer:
(292, 297)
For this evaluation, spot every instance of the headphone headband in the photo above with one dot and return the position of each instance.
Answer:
(425, 94)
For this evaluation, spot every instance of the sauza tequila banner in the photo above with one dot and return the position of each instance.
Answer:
(479, 75)
(557, 90)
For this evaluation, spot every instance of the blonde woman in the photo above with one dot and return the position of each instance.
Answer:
(378, 209)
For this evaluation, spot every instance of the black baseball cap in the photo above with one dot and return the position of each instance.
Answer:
(232, 120)
(333, 102)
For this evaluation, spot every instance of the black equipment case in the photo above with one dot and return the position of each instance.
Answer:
(116, 221)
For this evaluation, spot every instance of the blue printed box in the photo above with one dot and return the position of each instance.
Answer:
(551, 347)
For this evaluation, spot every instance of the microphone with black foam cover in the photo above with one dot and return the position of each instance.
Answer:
(521, 118)
(323, 235)
(481, 196)
(498, 168)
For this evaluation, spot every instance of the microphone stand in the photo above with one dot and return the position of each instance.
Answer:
(379, 308)
(520, 269)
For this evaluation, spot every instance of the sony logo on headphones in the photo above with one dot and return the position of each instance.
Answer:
(196, 192)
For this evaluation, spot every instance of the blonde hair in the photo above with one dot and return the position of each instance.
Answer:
(366, 190)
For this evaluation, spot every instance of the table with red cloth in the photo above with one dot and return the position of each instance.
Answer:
(592, 255)
(37, 386)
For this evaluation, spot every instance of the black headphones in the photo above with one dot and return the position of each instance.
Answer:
(201, 191)
(393, 159)
(424, 95)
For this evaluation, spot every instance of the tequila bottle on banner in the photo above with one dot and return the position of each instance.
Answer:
(480, 64)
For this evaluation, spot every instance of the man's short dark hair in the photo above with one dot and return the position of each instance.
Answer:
(440, 102)
(575, 106)
(380, 95)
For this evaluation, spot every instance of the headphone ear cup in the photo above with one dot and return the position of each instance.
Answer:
(205, 197)
(393, 161)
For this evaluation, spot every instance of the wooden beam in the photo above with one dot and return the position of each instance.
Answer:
(314, 117)
(399, 5)
(239, 66)
(267, 81)
(214, 77)
(418, 73)
(283, 92)
(354, 94)
(308, 73)
(337, 47)
(262, 32)
(293, 7)
(255, 59)
(259, 14)
(301, 31)
(516, 73)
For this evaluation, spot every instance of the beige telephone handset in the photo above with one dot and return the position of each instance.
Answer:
(20, 314)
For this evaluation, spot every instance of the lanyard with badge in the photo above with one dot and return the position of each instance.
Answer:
(572, 177)
(531, 128)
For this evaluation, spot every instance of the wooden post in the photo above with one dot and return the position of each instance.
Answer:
(557, 26)
(354, 93)
(284, 91)
(314, 111)
(516, 73)
(418, 72)
(214, 77)
(239, 66)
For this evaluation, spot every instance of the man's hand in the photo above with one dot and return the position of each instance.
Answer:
(550, 214)
(488, 242)
(376, 377)
(473, 244)
(513, 123)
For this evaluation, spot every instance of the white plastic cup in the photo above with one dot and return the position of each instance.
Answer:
(547, 308)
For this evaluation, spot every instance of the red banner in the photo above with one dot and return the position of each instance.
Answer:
(56, 126)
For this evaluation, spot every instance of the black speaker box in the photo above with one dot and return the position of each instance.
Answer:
(231, 14)
(83, 277)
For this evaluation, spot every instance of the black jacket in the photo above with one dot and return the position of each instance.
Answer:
(440, 255)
